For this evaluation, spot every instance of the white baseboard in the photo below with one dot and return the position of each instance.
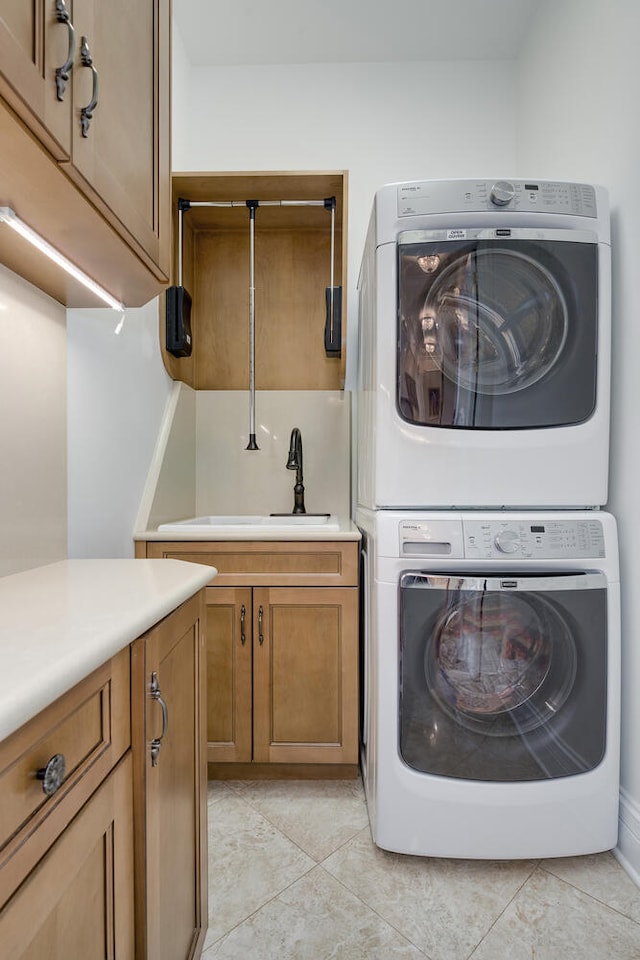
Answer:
(627, 853)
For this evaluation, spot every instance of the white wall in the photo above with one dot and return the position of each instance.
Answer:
(231, 479)
(117, 389)
(170, 491)
(33, 427)
(381, 121)
(180, 87)
(578, 119)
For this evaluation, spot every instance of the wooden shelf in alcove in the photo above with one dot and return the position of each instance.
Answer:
(292, 270)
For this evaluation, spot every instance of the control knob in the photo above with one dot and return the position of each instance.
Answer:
(502, 193)
(507, 541)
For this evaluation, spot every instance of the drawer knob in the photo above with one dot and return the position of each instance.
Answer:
(52, 775)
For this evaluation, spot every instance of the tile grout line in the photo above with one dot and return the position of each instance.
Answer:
(238, 794)
(535, 868)
(281, 830)
(262, 906)
(317, 864)
(374, 911)
(353, 893)
(591, 896)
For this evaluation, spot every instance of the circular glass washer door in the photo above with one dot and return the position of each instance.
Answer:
(500, 663)
(495, 320)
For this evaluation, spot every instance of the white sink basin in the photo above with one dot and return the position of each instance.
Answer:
(244, 521)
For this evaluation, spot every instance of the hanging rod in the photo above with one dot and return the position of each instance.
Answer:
(326, 203)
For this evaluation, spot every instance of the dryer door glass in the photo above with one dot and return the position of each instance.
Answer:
(496, 333)
(494, 321)
(503, 678)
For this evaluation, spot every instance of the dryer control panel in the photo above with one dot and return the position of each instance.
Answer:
(530, 196)
(544, 540)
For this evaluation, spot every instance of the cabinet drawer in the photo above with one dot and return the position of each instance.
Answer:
(90, 727)
(269, 563)
(78, 901)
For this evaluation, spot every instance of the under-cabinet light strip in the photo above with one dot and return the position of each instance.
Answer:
(8, 216)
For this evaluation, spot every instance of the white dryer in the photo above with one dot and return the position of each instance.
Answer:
(491, 719)
(485, 346)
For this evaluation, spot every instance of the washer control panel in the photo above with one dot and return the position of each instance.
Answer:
(427, 538)
(530, 196)
(531, 539)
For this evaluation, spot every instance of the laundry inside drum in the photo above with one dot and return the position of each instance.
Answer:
(490, 653)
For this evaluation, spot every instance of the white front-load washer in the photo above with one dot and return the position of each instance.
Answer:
(491, 682)
(484, 346)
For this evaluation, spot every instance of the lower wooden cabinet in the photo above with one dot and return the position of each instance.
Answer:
(112, 864)
(170, 785)
(282, 673)
(78, 900)
(282, 655)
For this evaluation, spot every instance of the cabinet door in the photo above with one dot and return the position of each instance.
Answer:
(78, 901)
(120, 157)
(305, 675)
(168, 704)
(229, 644)
(36, 39)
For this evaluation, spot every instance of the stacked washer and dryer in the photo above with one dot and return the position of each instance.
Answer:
(491, 628)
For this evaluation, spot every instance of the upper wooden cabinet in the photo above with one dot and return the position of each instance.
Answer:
(85, 129)
(292, 274)
(37, 51)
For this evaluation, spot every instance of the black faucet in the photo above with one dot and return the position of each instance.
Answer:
(294, 462)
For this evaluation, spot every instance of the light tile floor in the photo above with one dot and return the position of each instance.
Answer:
(293, 875)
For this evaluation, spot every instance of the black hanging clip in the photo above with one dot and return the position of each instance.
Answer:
(179, 340)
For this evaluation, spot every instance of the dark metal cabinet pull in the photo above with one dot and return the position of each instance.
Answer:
(52, 775)
(243, 636)
(62, 72)
(86, 114)
(156, 743)
(260, 633)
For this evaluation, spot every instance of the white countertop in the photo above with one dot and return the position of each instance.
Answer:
(60, 622)
(347, 530)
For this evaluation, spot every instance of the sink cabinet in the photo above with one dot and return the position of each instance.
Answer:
(282, 655)
(281, 670)
(99, 191)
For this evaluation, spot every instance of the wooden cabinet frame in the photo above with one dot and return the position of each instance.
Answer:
(265, 563)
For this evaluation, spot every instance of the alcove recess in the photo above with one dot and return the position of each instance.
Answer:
(292, 273)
